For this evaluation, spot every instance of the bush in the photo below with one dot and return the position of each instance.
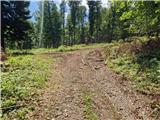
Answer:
(62, 48)
(142, 67)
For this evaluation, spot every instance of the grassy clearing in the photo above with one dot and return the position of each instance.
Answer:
(78, 47)
(61, 48)
(139, 61)
(22, 76)
(88, 110)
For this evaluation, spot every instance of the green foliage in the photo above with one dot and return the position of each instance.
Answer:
(94, 18)
(151, 66)
(15, 25)
(74, 12)
(81, 19)
(144, 69)
(49, 23)
(63, 10)
(119, 20)
(25, 74)
(88, 110)
(123, 19)
(126, 15)
(62, 48)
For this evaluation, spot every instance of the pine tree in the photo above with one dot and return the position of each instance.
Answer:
(6, 21)
(63, 11)
(15, 25)
(82, 18)
(74, 5)
(92, 10)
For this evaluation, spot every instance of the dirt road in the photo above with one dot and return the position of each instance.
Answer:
(82, 88)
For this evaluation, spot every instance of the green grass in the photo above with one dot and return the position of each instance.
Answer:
(88, 110)
(78, 47)
(63, 48)
(22, 76)
(144, 69)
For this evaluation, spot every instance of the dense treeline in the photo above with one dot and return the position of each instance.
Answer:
(14, 25)
(72, 23)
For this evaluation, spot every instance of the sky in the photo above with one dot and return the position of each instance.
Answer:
(34, 5)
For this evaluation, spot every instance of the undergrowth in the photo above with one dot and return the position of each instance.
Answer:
(64, 48)
(142, 65)
(88, 110)
(22, 76)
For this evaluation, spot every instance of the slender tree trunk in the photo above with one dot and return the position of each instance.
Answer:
(74, 35)
(51, 26)
(82, 33)
(63, 39)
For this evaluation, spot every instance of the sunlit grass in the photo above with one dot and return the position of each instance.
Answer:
(88, 107)
(21, 77)
(64, 48)
(23, 73)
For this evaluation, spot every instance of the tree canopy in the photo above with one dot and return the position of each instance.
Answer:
(73, 23)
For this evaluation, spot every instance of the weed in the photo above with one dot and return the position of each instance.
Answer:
(88, 110)
(25, 74)
(62, 48)
(141, 67)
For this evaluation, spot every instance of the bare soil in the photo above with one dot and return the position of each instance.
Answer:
(77, 73)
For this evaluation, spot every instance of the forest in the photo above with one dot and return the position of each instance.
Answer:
(72, 23)
(80, 60)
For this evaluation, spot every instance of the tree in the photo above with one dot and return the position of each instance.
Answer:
(70, 32)
(92, 10)
(57, 26)
(74, 5)
(51, 27)
(82, 17)
(20, 23)
(123, 12)
(150, 10)
(98, 19)
(15, 25)
(6, 21)
(48, 28)
(63, 11)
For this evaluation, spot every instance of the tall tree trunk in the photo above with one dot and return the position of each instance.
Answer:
(82, 33)
(63, 39)
(74, 35)
(51, 26)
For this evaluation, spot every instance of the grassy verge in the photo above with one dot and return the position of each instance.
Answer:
(139, 61)
(61, 48)
(22, 76)
(88, 110)
(78, 47)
